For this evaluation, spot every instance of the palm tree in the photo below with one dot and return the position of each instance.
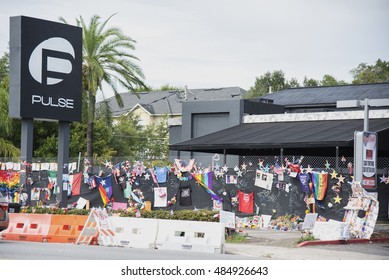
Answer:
(107, 59)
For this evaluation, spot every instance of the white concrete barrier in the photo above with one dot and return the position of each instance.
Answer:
(135, 232)
(331, 230)
(191, 236)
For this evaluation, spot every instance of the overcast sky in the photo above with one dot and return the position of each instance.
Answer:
(221, 43)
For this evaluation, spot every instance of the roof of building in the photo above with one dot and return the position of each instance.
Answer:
(314, 136)
(249, 138)
(327, 95)
(169, 102)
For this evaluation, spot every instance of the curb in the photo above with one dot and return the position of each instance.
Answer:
(337, 242)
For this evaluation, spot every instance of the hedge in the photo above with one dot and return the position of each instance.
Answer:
(188, 215)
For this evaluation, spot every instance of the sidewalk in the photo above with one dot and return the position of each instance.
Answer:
(282, 245)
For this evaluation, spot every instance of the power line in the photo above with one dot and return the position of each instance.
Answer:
(138, 137)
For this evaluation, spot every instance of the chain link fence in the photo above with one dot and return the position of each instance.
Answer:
(339, 164)
(204, 160)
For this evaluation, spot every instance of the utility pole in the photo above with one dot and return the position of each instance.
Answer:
(365, 158)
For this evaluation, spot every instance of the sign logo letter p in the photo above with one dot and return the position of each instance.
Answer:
(51, 61)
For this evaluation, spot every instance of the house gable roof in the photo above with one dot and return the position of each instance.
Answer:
(169, 102)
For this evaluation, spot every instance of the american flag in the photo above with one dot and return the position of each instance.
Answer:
(92, 182)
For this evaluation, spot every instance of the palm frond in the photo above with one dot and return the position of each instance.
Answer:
(7, 149)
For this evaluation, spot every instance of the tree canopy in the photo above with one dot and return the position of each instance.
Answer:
(367, 74)
(270, 82)
(107, 59)
(7, 146)
(362, 74)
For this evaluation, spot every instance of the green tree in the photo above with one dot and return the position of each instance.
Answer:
(268, 82)
(367, 74)
(107, 59)
(329, 80)
(292, 83)
(157, 145)
(132, 140)
(77, 141)
(127, 138)
(7, 147)
(103, 139)
(310, 82)
(4, 69)
(45, 139)
(167, 87)
(48, 148)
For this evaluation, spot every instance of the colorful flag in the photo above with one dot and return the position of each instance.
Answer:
(106, 183)
(92, 182)
(320, 182)
(52, 176)
(278, 169)
(75, 183)
(103, 195)
(116, 169)
(207, 177)
(9, 178)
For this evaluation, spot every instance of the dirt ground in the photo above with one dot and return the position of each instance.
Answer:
(380, 234)
(290, 239)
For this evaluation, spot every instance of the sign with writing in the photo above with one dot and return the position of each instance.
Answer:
(365, 158)
(228, 219)
(45, 69)
(309, 221)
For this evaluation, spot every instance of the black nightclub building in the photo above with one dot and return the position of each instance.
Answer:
(301, 122)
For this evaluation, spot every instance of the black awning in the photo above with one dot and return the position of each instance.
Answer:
(277, 135)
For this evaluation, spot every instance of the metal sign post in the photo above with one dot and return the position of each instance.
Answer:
(365, 159)
(26, 151)
(365, 143)
(63, 162)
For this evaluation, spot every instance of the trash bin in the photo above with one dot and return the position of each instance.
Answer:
(14, 207)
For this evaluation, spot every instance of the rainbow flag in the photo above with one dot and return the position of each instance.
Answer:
(9, 178)
(103, 195)
(205, 180)
(106, 183)
(320, 182)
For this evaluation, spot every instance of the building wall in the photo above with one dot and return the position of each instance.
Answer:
(234, 109)
(174, 137)
(203, 117)
(144, 117)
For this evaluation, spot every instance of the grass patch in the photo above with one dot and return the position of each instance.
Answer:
(306, 238)
(236, 238)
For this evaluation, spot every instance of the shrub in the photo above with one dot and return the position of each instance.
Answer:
(187, 215)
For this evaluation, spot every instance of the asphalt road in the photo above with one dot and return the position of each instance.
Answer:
(274, 251)
(271, 246)
(21, 250)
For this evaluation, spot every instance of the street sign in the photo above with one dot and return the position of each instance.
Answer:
(365, 159)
